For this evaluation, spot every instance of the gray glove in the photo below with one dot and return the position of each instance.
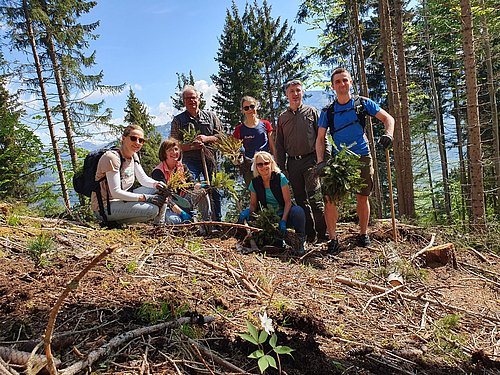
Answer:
(385, 141)
(156, 199)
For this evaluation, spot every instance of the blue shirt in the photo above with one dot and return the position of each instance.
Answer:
(270, 199)
(353, 135)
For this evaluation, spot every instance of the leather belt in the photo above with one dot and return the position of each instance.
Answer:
(299, 157)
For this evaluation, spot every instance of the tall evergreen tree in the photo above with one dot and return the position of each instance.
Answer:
(183, 80)
(20, 152)
(256, 57)
(137, 113)
(239, 72)
(278, 57)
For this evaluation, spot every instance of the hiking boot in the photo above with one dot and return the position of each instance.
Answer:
(333, 247)
(364, 240)
(300, 249)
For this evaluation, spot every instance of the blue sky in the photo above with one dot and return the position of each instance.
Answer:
(144, 44)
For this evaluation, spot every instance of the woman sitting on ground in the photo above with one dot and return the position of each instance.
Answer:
(255, 133)
(269, 188)
(119, 169)
(178, 207)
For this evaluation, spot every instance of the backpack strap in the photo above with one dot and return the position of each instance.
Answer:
(358, 107)
(100, 201)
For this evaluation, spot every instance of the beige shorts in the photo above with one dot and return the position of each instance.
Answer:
(366, 174)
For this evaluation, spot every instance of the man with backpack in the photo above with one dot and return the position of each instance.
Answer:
(345, 119)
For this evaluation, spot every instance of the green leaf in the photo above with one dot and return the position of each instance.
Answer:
(263, 363)
(273, 340)
(246, 336)
(257, 354)
(270, 360)
(263, 337)
(253, 331)
(283, 349)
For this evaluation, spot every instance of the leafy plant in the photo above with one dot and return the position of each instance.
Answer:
(13, 220)
(342, 175)
(131, 267)
(39, 248)
(189, 134)
(266, 219)
(259, 338)
(152, 312)
(228, 145)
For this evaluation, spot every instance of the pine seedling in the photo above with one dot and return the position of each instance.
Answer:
(342, 175)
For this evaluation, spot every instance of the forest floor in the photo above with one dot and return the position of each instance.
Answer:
(138, 310)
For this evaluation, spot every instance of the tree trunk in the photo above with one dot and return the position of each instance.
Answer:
(409, 195)
(436, 103)
(464, 184)
(478, 219)
(394, 100)
(68, 126)
(431, 184)
(363, 82)
(493, 104)
(41, 82)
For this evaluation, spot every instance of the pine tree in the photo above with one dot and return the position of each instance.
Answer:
(182, 81)
(278, 58)
(137, 113)
(20, 152)
(239, 72)
(256, 57)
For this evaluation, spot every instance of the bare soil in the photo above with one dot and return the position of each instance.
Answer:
(443, 320)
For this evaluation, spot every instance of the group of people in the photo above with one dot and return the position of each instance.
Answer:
(274, 167)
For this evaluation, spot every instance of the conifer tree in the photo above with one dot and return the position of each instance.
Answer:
(278, 57)
(137, 113)
(20, 151)
(256, 57)
(239, 71)
(183, 80)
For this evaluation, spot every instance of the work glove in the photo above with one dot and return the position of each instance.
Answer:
(163, 190)
(319, 169)
(385, 141)
(156, 199)
(185, 216)
(244, 215)
(282, 227)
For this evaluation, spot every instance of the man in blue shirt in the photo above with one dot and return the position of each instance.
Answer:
(346, 131)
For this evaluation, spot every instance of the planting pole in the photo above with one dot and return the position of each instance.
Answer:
(393, 214)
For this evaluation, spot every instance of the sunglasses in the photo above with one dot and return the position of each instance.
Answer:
(133, 138)
(247, 107)
(266, 163)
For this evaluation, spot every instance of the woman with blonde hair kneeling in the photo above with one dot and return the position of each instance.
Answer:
(269, 188)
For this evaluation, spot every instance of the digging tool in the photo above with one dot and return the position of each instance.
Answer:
(393, 214)
(204, 164)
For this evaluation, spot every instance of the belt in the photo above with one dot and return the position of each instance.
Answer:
(299, 157)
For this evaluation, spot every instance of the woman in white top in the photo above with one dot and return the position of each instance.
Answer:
(121, 168)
